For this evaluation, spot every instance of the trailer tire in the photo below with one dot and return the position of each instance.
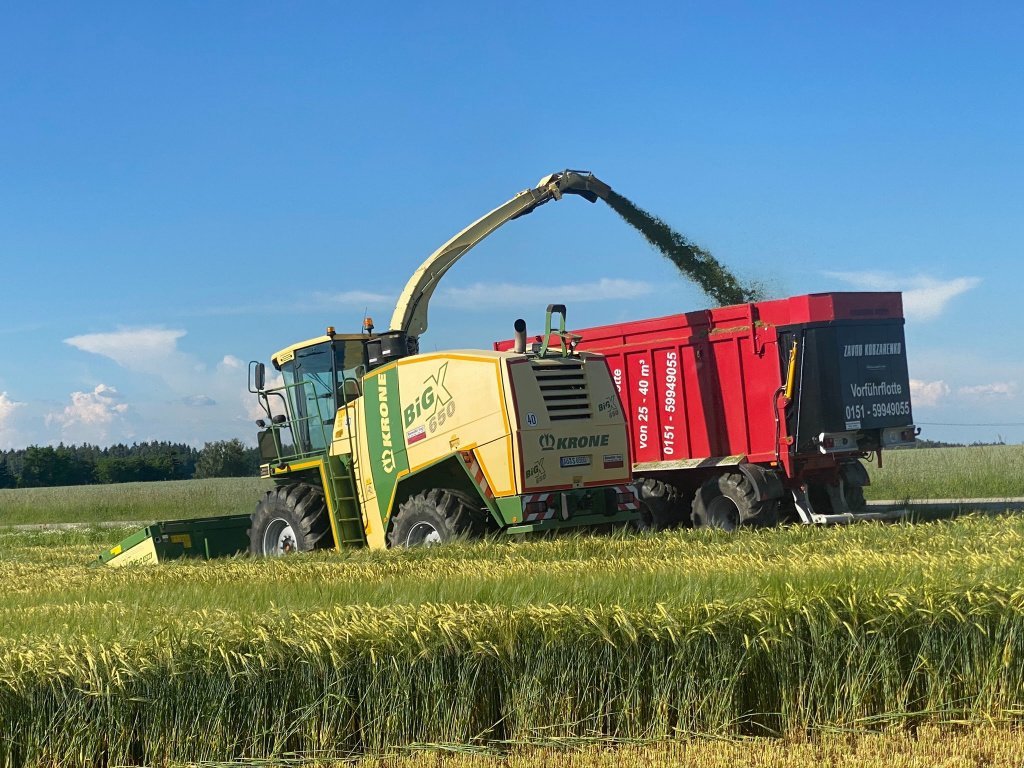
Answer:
(818, 493)
(290, 518)
(660, 506)
(436, 516)
(728, 501)
(855, 497)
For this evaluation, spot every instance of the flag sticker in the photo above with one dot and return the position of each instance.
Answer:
(613, 461)
(415, 435)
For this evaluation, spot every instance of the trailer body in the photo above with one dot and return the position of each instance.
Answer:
(792, 393)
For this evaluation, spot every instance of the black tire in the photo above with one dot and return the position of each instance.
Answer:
(660, 505)
(818, 493)
(290, 518)
(855, 497)
(435, 517)
(728, 501)
(821, 502)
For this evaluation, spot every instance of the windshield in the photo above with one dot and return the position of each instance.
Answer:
(321, 379)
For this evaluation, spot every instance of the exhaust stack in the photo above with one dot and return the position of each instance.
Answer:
(520, 338)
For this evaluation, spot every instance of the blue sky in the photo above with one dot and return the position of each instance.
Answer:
(188, 186)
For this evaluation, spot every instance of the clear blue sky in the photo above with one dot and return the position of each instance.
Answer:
(188, 186)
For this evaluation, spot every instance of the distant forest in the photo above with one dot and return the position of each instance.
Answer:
(44, 466)
(922, 443)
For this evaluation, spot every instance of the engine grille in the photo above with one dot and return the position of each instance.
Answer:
(564, 388)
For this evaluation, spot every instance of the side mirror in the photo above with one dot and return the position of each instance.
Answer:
(257, 377)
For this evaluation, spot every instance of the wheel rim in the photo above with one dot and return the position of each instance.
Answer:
(723, 513)
(423, 534)
(279, 538)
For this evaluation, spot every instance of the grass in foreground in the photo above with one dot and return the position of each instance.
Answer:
(623, 638)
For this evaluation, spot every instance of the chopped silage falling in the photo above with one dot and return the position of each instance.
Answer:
(692, 260)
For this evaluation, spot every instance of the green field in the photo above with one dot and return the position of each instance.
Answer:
(815, 638)
(622, 638)
(165, 500)
(995, 471)
(977, 472)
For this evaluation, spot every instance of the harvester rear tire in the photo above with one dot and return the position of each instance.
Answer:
(728, 501)
(660, 505)
(437, 516)
(290, 518)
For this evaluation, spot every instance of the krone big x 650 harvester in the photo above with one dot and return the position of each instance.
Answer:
(370, 444)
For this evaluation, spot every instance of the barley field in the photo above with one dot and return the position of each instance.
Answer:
(603, 640)
(870, 644)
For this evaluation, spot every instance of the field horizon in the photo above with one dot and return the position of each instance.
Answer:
(969, 472)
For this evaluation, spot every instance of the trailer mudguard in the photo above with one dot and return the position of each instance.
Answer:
(767, 484)
(854, 473)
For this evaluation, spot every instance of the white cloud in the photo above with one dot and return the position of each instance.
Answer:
(8, 435)
(7, 408)
(196, 401)
(480, 295)
(995, 389)
(91, 413)
(137, 349)
(924, 298)
(357, 298)
(183, 398)
(928, 393)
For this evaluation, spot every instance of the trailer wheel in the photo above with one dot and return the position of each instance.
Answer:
(818, 493)
(729, 501)
(435, 517)
(290, 518)
(855, 497)
(660, 506)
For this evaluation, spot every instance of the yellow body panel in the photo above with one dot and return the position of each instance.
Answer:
(143, 552)
(452, 401)
(571, 425)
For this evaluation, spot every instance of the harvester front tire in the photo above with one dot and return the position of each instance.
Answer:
(290, 518)
(728, 501)
(436, 516)
(660, 505)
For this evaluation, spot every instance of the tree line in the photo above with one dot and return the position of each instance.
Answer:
(43, 466)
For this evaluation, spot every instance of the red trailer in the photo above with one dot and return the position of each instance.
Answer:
(754, 412)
